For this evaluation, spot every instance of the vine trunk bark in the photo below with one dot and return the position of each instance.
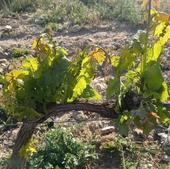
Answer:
(17, 161)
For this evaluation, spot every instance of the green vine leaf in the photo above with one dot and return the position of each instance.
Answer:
(84, 78)
(113, 87)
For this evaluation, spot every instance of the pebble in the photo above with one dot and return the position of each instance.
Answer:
(79, 116)
(2, 61)
(107, 130)
(163, 136)
(8, 27)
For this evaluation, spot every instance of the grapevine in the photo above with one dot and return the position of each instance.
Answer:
(51, 81)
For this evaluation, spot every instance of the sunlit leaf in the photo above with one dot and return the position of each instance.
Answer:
(115, 60)
(165, 93)
(159, 28)
(123, 118)
(99, 55)
(31, 63)
(84, 78)
(29, 149)
(15, 74)
(34, 43)
(80, 86)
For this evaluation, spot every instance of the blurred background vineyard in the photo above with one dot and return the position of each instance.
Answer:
(80, 11)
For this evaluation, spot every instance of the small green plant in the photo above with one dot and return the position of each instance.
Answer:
(163, 166)
(134, 154)
(86, 12)
(18, 52)
(3, 162)
(66, 11)
(51, 27)
(61, 150)
(126, 149)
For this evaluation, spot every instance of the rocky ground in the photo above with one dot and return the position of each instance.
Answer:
(18, 31)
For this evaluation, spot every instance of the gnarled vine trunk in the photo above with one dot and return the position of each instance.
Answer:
(17, 161)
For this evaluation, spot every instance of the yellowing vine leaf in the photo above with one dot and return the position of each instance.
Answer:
(162, 32)
(159, 28)
(14, 75)
(163, 17)
(80, 86)
(34, 43)
(29, 149)
(31, 63)
(99, 55)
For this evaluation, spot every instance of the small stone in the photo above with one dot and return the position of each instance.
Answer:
(165, 158)
(90, 40)
(1, 86)
(107, 130)
(150, 165)
(3, 61)
(138, 131)
(7, 29)
(163, 136)
(79, 116)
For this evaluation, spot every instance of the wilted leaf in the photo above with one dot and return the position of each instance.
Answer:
(163, 17)
(153, 114)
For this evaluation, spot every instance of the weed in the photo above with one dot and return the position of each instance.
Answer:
(61, 150)
(18, 52)
(78, 11)
(134, 155)
(82, 12)
(3, 162)
(51, 27)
